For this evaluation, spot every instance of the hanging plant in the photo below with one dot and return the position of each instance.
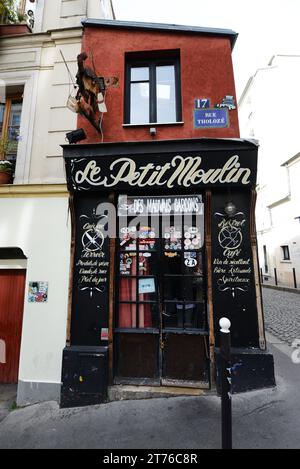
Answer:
(9, 12)
(6, 167)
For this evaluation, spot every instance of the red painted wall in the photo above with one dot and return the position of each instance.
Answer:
(206, 72)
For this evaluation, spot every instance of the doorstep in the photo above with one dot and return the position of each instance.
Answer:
(127, 392)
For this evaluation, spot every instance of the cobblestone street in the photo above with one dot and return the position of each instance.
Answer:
(282, 314)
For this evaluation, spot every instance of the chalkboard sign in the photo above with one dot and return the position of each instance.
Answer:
(91, 274)
(232, 268)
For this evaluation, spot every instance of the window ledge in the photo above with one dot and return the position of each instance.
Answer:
(153, 124)
(286, 261)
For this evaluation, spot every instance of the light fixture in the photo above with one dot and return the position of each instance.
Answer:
(230, 209)
(76, 136)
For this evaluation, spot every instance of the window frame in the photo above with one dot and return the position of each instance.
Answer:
(160, 278)
(152, 63)
(9, 101)
(285, 250)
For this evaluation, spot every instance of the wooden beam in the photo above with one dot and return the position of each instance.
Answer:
(111, 301)
(209, 284)
(71, 273)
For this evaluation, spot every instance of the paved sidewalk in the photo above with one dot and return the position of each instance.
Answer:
(282, 314)
(8, 395)
(261, 419)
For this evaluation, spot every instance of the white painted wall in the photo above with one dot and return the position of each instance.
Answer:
(36, 63)
(40, 227)
(268, 111)
(70, 13)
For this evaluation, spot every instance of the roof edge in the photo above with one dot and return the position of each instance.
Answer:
(232, 35)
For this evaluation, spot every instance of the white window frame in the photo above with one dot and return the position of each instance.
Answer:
(30, 82)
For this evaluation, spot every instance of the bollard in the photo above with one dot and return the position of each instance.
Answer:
(261, 276)
(226, 384)
(275, 275)
(295, 278)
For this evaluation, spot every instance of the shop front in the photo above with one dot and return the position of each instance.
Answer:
(163, 246)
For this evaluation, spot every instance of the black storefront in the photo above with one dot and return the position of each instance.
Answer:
(163, 246)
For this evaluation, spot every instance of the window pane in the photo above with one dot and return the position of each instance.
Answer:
(1, 116)
(192, 238)
(148, 316)
(193, 289)
(139, 74)
(165, 90)
(173, 288)
(147, 238)
(147, 264)
(14, 128)
(147, 286)
(172, 237)
(193, 263)
(127, 289)
(194, 316)
(172, 263)
(128, 263)
(127, 316)
(184, 316)
(127, 236)
(139, 103)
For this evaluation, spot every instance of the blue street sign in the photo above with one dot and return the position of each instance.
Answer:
(211, 118)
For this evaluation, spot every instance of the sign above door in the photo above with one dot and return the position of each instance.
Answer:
(196, 164)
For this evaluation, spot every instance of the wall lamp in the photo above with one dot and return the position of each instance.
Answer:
(230, 209)
(76, 136)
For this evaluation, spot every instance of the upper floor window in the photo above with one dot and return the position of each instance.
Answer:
(10, 121)
(152, 92)
(285, 253)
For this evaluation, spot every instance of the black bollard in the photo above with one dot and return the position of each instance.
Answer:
(295, 278)
(275, 275)
(226, 383)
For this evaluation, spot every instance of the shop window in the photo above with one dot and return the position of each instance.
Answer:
(161, 280)
(152, 92)
(10, 121)
(285, 253)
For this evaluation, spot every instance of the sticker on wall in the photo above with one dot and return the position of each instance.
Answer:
(202, 103)
(38, 292)
(227, 102)
(190, 262)
(104, 333)
(211, 118)
(146, 285)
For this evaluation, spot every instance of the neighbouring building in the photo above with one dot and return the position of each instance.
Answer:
(37, 69)
(157, 163)
(268, 112)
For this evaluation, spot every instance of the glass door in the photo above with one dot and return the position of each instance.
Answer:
(161, 327)
(183, 303)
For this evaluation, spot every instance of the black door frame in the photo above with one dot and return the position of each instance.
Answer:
(162, 331)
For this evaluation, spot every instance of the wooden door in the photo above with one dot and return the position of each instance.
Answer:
(161, 325)
(12, 290)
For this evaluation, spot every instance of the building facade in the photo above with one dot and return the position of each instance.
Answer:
(277, 214)
(162, 196)
(37, 70)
